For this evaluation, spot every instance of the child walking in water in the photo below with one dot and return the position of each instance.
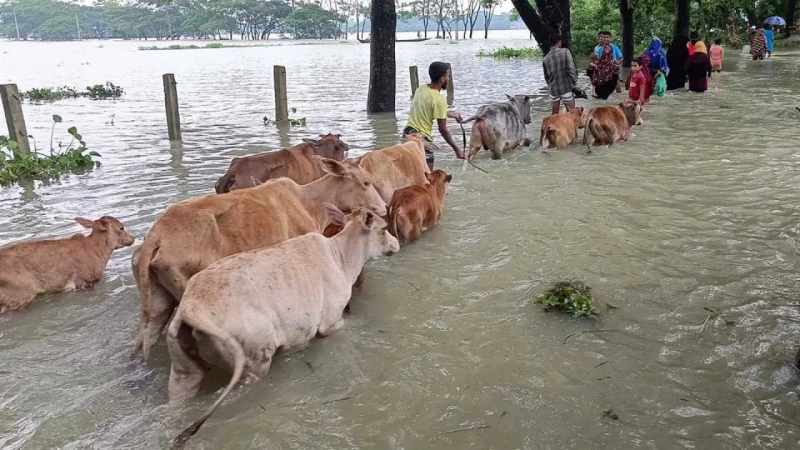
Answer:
(639, 90)
(716, 53)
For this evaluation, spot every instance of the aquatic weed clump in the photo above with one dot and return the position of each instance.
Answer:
(569, 296)
(17, 166)
(512, 53)
(96, 92)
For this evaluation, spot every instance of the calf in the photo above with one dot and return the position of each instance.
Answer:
(417, 209)
(398, 166)
(560, 130)
(608, 124)
(500, 126)
(194, 233)
(76, 263)
(245, 308)
(296, 162)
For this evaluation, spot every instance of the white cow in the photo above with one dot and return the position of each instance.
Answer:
(244, 308)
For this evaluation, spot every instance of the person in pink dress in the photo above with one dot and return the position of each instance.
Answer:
(716, 53)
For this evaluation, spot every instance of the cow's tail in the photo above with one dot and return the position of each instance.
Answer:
(475, 117)
(593, 128)
(230, 344)
(145, 256)
(550, 135)
(394, 212)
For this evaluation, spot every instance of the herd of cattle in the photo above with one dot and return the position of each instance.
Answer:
(270, 261)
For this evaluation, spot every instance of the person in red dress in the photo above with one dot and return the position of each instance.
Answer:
(639, 90)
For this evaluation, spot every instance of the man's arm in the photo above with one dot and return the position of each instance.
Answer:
(573, 73)
(544, 70)
(455, 116)
(448, 138)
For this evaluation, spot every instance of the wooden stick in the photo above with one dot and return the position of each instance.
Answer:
(281, 98)
(12, 105)
(476, 427)
(171, 103)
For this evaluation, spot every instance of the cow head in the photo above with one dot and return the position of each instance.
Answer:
(329, 146)
(523, 105)
(109, 229)
(351, 187)
(579, 116)
(369, 226)
(440, 180)
(632, 112)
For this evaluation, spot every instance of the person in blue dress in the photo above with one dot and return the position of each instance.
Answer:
(658, 58)
(770, 36)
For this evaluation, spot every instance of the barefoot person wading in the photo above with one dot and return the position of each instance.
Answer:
(429, 105)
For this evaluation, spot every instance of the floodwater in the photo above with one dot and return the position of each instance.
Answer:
(444, 348)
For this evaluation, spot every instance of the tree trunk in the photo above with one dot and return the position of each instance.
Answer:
(752, 18)
(382, 71)
(682, 18)
(626, 11)
(791, 8)
(553, 16)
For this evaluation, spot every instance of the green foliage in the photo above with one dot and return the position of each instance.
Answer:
(569, 296)
(512, 53)
(191, 46)
(16, 166)
(96, 92)
(301, 122)
(99, 91)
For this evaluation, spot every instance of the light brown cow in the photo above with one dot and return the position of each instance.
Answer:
(75, 263)
(560, 130)
(417, 209)
(332, 230)
(398, 166)
(608, 124)
(247, 307)
(193, 234)
(296, 162)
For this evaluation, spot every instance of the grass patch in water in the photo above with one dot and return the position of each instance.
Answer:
(569, 296)
(512, 53)
(96, 92)
(191, 46)
(16, 166)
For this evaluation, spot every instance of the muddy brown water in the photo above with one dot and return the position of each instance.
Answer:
(698, 210)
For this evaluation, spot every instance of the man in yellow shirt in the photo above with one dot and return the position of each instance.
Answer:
(429, 105)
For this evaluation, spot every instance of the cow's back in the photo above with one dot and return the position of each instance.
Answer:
(396, 167)
(298, 164)
(502, 118)
(198, 232)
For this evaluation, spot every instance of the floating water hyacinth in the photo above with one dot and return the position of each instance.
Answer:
(569, 296)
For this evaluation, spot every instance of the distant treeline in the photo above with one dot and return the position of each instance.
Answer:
(236, 19)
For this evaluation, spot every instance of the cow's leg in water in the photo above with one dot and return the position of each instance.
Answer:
(162, 304)
(187, 370)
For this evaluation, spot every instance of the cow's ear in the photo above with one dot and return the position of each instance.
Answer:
(369, 219)
(448, 178)
(509, 97)
(85, 223)
(333, 167)
(335, 214)
(527, 99)
(102, 224)
(428, 176)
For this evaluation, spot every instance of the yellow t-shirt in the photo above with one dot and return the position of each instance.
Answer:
(428, 105)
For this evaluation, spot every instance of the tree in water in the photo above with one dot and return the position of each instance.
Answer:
(488, 7)
(626, 10)
(382, 69)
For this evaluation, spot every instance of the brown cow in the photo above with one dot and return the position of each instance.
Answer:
(560, 130)
(193, 234)
(398, 166)
(75, 263)
(295, 162)
(608, 124)
(417, 209)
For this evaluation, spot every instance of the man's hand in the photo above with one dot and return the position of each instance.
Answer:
(455, 115)
(459, 154)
